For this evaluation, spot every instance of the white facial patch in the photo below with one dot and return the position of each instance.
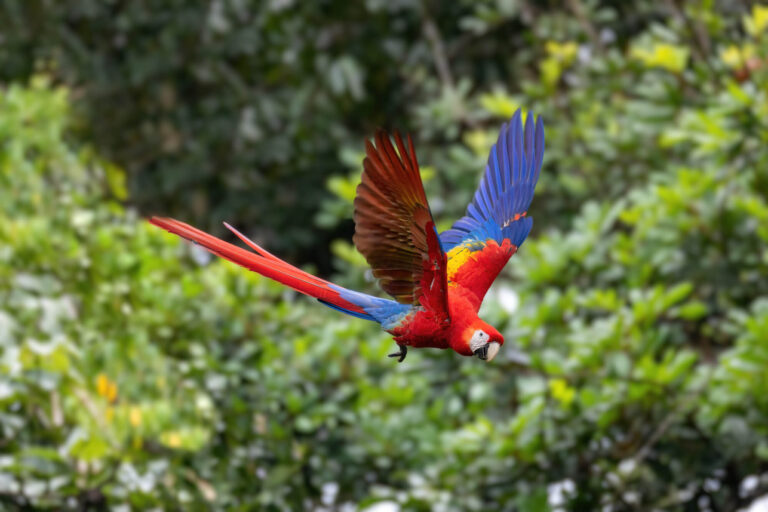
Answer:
(479, 340)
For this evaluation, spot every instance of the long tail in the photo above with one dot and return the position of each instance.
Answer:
(347, 301)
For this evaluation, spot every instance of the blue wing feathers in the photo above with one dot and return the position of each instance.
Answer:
(507, 187)
(466, 224)
(495, 185)
(474, 213)
(516, 136)
(528, 155)
(486, 198)
(518, 231)
(500, 185)
(505, 167)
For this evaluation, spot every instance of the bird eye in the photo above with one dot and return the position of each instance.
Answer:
(479, 338)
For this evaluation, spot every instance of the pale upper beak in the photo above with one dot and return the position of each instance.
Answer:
(488, 351)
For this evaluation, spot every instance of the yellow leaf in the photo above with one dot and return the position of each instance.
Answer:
(116, 180)
(480, 141)
(757, 21)
(663, 55)
(134, 416)
(427, 173)
(561, 55)
(344, 187)
(561, 391)
(731, 56)
(563, 52)
(172, 439)
(101, 384)
(499, 104)
(736, 57)
(112, 392)
(106, 388)
(551, 69)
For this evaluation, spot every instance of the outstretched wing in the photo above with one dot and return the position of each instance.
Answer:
(496, 223)
(394, 228)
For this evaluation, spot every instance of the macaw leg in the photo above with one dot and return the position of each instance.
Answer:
(401, 354)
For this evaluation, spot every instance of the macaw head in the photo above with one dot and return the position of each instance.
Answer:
(478, 339)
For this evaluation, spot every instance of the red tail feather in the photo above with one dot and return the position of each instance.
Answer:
(265, 263)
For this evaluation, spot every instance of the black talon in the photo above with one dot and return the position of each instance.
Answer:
(401, 354)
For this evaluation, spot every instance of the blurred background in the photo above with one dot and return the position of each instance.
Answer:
(136, 372)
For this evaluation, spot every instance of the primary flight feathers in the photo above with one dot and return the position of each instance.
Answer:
(438, 281)
(394, 228)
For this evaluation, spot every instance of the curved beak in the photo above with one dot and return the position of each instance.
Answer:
(493, 349)
(488, 351)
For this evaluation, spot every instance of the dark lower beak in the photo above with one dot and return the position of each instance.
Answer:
(488, 351)
(482, 352)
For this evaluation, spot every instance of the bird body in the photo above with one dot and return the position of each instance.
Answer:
(438, 281)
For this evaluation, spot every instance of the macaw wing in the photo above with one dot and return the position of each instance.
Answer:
(394, 228)
(496, 223)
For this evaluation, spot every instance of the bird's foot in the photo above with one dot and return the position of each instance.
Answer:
(401, 354)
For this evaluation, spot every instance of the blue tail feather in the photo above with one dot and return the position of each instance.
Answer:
(384, 311)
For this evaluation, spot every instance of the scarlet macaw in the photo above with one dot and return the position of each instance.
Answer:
(438, 281)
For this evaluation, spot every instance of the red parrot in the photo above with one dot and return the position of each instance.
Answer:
(438, 281)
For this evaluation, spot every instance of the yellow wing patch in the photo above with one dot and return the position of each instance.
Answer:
(457, 257)
(469, 250)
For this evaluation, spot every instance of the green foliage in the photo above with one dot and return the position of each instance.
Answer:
(237, 109)
(136, 370)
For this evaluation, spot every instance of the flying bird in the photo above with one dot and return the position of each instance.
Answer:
(438, 281)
